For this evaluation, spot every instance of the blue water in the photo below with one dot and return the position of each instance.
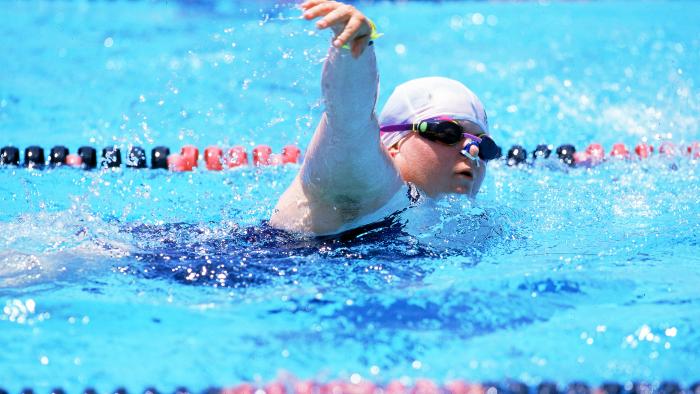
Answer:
(137, 278)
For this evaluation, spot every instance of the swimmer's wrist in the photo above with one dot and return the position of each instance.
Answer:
(374, 34)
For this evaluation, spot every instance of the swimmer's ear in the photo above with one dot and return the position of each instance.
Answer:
(393, 150)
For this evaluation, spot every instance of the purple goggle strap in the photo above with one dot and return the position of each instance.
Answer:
(397, 127)
(413, 127)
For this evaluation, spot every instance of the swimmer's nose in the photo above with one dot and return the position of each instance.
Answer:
(474, 151)
(471, 151)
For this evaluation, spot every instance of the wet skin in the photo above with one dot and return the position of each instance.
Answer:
(437, 168)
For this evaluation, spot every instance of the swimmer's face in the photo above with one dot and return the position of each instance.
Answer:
(439, 169)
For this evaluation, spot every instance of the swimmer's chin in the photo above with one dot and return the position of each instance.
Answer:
(465, 190)
(462, 186)
(462, 190)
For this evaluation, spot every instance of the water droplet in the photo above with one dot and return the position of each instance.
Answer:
(400, 49)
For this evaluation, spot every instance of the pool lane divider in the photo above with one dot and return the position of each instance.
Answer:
(594, 153)
(215, 158)
(420, 386)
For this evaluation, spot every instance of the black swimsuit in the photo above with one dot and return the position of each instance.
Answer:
(389, 226)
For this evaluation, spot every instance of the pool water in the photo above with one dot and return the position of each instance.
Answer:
(136, 278)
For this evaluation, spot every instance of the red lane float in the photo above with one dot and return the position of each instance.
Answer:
(332, 388)
(261, 155)
(619, 150)
(643, 150)
(74, 160)
(177, 163)
(582, 159)
(424, 386)
(596, 153)
(191, 155)
(341, 387)
(593, 155)
(213, 158)
(236, 157)
(275, 388)
(395, 387)
(668, 149)
(364, 387)
(693, 150)
(305, 387)
(290, 154)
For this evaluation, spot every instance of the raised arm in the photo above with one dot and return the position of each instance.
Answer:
(346, 173)
(346, 158)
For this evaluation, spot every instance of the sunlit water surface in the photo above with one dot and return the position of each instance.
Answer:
(136, 278)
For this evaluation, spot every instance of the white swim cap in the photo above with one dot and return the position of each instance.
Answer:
(424, 98)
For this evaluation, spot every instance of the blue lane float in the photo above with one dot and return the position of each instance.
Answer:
(111, 157)
(88, 157)
(34, 156)
(9, 155)
(58, 155)
(159, 157)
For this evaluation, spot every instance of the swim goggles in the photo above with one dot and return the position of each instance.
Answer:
(448, 131)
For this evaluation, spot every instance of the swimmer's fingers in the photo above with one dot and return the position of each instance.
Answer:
(337, 16)
(357, 33)
(316, 8)
(348, 23)
(311, 3)
(350, 32)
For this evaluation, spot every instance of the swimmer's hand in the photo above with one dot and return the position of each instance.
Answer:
(348, 23)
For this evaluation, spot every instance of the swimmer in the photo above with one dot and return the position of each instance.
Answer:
(430, 139)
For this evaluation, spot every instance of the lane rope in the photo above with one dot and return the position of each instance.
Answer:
(594, 153)
(422, 386)
(214, 158)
